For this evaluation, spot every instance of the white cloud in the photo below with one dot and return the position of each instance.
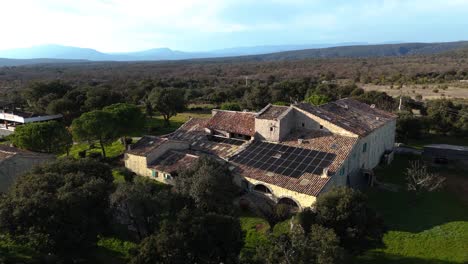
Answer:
(121, 25)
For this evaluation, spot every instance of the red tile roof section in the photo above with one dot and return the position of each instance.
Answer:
(145, 145)
(233, 122)
(173, 161)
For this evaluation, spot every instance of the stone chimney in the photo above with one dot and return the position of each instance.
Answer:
(324, 173)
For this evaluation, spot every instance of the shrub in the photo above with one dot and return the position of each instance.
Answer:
(232, 106)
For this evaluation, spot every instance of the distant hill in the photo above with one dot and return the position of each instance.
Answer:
(259, 53)
(67, 52)
(364, 51)
(21, 62)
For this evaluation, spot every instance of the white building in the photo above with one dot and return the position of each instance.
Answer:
(10, 119)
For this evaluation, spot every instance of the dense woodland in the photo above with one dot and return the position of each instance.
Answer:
(227, 73)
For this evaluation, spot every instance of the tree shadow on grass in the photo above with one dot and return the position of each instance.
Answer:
(403, 211)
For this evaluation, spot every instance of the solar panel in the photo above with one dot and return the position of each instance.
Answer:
(284, 160)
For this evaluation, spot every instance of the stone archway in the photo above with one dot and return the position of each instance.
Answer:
(292, 203)
(262, 188)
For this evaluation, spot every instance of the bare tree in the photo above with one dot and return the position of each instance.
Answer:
(420, 179)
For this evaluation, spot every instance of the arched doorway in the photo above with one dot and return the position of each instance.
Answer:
(290, 203)
(262, 188)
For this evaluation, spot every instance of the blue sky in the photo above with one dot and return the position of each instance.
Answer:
(198, 25)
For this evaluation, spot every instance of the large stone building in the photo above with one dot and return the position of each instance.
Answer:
(292, 154)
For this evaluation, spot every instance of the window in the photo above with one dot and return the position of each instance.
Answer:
(342, 171)
(154, 173)
(321, 127)
(303, 124)
(167, 176)
(271, 128)
(364, 147)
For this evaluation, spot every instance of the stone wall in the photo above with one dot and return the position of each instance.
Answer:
(304, 200)
(267, 129)
(307, 120)
(137, 164)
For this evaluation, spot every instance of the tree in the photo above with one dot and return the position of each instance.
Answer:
(320, 246)
(306, 219)
(345, 211)
(274, 213)
(48, 137)
(380, 99)
(130, 119)
(419, 179)
(95, 125)
(256, 98)
(317, 99)
(462, 123)
(59, 208)
(168, 102)
(231, 106)
(142, 204)
(209, 183)
(38, 95)
(99, 97)
(443, 115)
(409, 127)
(193, 238)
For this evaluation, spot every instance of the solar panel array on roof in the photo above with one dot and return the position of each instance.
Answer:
(284, 160)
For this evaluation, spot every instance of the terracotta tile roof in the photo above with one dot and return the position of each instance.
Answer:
(335, 148)
(199, 139)
(233, 122)
(272, 112)
(145, 145)
(173, 161)
(351, 115)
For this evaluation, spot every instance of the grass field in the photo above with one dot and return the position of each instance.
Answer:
(431, 228)
(155, 124)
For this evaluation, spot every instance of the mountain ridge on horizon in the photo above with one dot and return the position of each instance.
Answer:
(59, 53)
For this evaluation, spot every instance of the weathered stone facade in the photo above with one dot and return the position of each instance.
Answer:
(347, 136)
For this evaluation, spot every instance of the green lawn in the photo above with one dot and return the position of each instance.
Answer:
(112, 250)
(113, 149)
(431, 228)
(107, 250)
(15, 252)
(155, 125)
(255, 231)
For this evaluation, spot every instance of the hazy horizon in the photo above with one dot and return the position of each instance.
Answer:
(200, 25)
